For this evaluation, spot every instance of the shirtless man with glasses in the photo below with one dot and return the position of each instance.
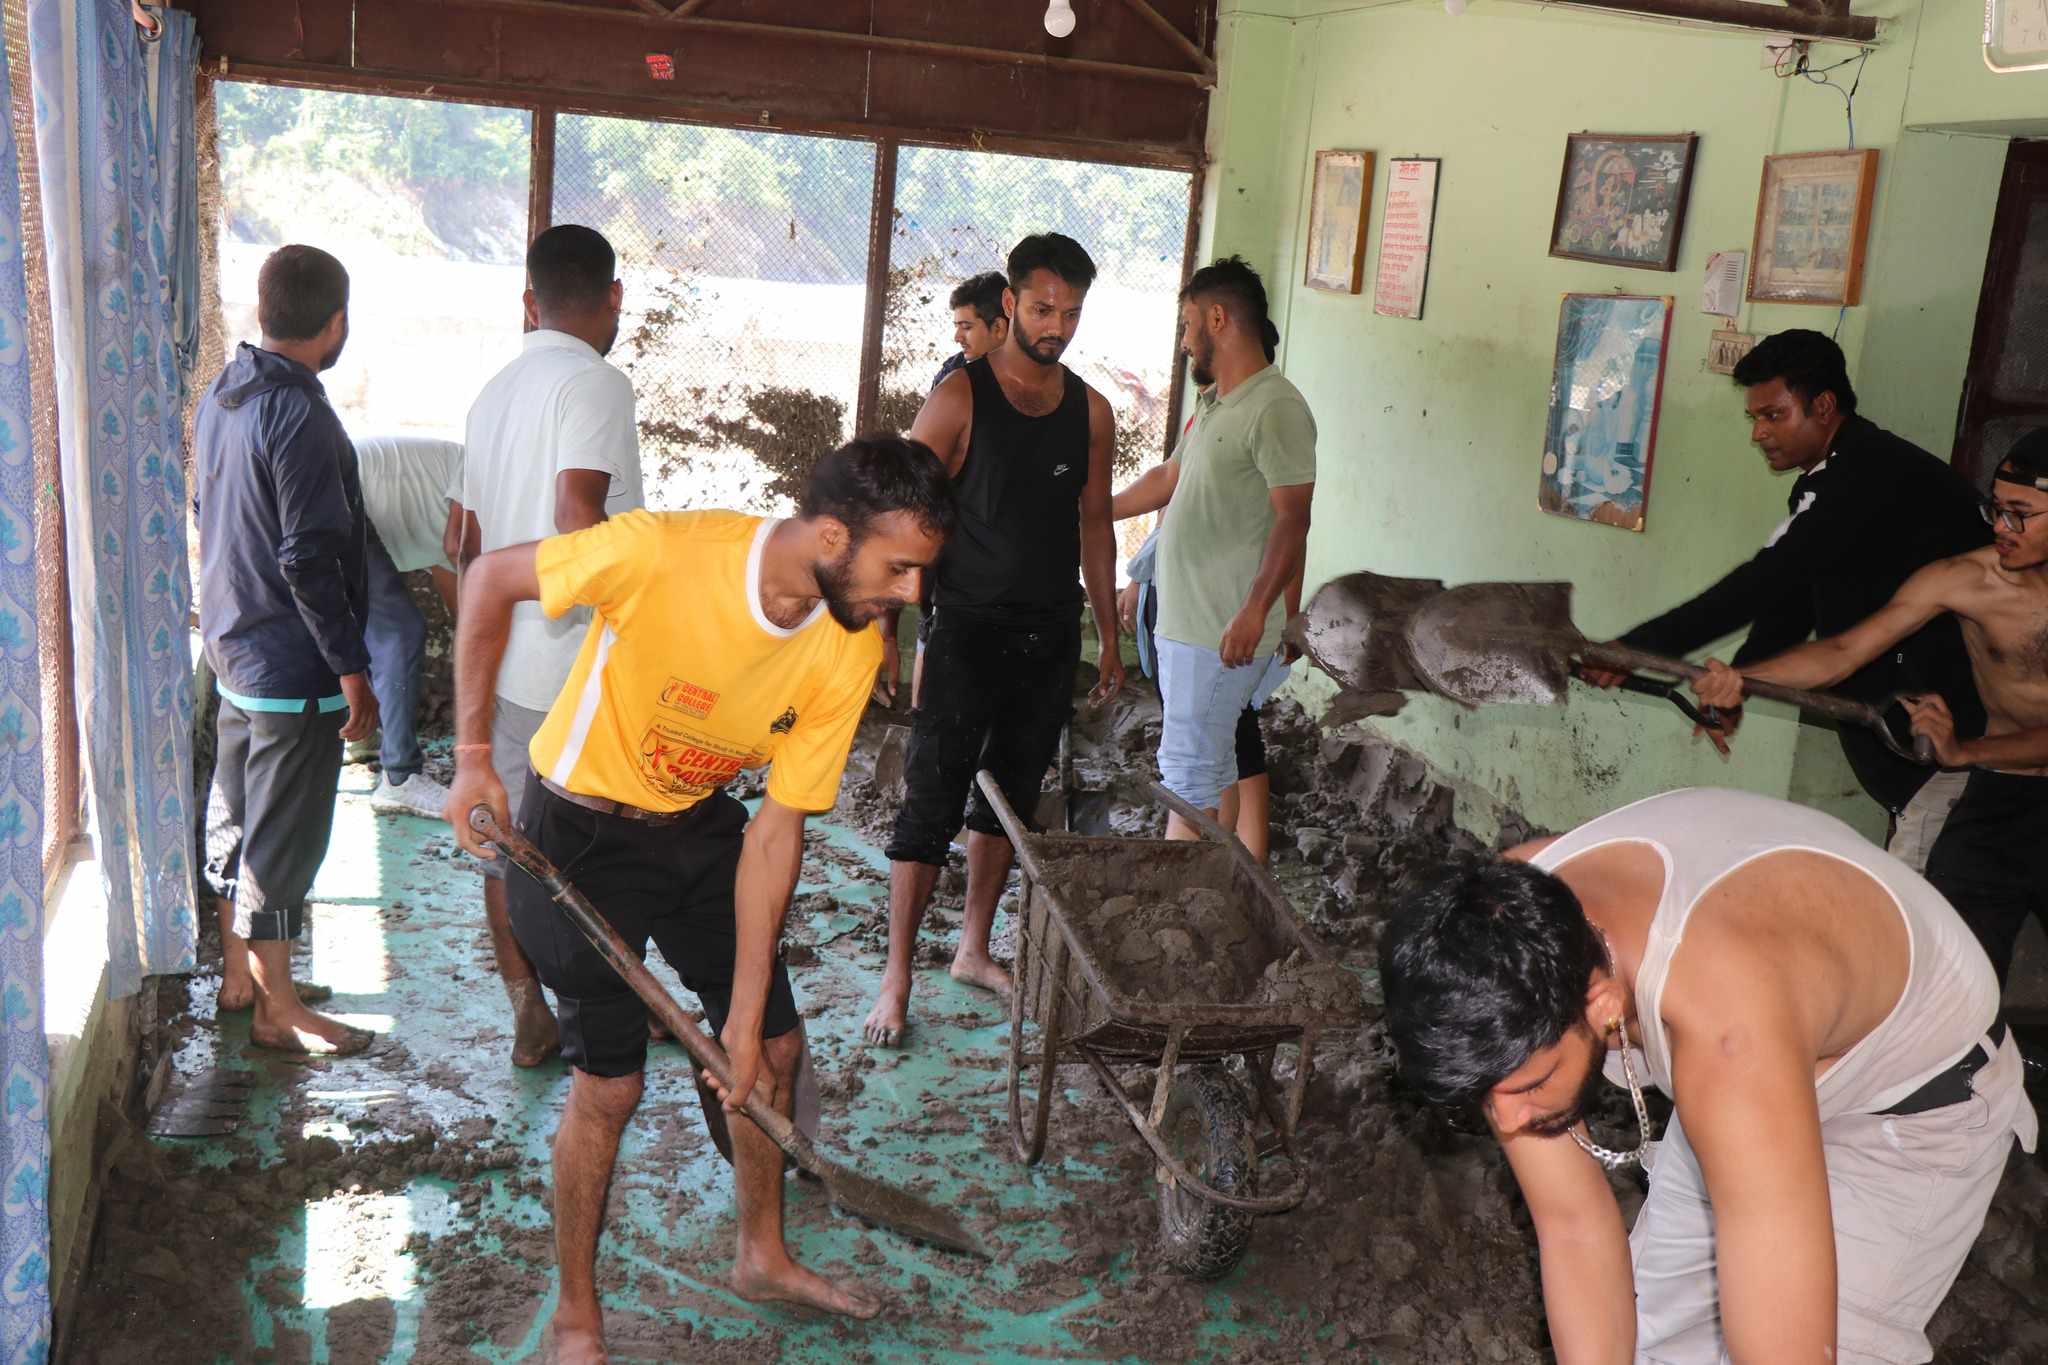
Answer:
(1991, 860)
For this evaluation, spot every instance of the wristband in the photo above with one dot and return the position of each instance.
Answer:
(460, 747)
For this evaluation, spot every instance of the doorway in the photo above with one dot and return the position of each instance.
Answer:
(2006, 391)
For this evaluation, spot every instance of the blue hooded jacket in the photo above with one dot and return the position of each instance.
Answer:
(282, 586)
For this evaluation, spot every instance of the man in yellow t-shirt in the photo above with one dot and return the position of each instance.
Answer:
(719, 641)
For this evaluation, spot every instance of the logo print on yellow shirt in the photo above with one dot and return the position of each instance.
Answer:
(785, 722)
(674, 766)
(688, 698)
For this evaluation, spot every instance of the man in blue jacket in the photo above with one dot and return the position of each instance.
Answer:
(283, 596)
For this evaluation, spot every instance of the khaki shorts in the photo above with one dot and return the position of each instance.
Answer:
(1909, 1196)
(512, 731)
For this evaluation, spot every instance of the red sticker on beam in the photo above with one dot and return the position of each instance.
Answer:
(661, 66)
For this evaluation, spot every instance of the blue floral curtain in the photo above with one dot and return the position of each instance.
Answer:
(112, 274)
(24, 1053)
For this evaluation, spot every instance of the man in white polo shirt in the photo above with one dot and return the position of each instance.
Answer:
(552, 447)
(406, 490)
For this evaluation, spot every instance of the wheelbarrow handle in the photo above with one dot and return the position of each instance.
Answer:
(703, 1050)
(1626, 659)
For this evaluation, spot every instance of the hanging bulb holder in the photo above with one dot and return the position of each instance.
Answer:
(1059, 18)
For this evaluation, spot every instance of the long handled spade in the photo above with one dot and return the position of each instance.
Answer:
(851, 1192)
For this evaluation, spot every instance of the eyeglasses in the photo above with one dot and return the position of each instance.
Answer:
(2014, 519)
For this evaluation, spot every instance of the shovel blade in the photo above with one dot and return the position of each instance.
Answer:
(1484, 643)
(898, 1211)
(1355, 629)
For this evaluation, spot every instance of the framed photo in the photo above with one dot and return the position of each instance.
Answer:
(1812, 225)
(1336, 221)
(1621, 198)
(1606, 386)
(1407, 223)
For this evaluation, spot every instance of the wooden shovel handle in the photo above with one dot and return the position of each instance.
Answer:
(703, 1049)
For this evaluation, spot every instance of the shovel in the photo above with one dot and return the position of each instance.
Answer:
(851, 1192)
(1515, 642)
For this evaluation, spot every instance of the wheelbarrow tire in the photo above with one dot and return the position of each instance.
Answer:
(1200, 1239)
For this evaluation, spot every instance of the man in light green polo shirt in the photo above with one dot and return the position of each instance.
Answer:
(1237, 493)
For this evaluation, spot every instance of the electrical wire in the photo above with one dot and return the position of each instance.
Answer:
(1819, 76)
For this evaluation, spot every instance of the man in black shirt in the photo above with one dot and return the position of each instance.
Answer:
(1868, 509)
(1029, 447)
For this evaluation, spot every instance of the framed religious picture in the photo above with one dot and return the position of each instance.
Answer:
(1621, 198)
(1336, 221)
(1606, 388)
(1812, 225)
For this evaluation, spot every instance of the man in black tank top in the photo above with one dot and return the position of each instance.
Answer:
(1029, 447)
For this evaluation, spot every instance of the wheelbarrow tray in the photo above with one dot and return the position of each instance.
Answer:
(1074, 874)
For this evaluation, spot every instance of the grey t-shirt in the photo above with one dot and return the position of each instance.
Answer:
(1258, 437)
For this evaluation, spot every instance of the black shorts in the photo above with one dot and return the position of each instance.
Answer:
(670, 883)
(1251, 745)
(1991, 859)
(996, 694)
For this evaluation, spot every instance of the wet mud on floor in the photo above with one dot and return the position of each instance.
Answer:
(394, 1207)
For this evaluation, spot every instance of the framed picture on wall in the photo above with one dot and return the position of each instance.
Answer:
(1621, 198)
(1606, 387)
(1812, 225)
(1336, 221)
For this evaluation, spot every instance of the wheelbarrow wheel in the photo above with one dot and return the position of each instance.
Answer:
(1208, 1118)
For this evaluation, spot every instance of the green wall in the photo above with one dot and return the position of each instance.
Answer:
(1431, 431)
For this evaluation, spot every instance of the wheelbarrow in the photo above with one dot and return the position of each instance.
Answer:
(1380, 638)
(1198, 1123)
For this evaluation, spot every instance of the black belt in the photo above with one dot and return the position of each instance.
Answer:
(1954, 1085)
(604, 806)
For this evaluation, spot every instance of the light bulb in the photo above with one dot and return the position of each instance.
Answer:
(1059, 18)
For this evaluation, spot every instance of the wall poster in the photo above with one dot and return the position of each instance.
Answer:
(1606, 385)
(1621, 198)
(1336, 221)
(1407, 223)
(1812, 223)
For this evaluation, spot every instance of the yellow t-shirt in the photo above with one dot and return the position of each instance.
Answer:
(682, 680)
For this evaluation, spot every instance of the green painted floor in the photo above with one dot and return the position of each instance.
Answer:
(461, 1269)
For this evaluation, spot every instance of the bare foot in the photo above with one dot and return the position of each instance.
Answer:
(535, 1034)
(241, 995)
(576, 1344)
(314, 1035)
(792, 1283)
(983, 971)
(889, 1019)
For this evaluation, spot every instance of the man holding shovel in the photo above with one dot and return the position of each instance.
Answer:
(709, 651)
(1867, 509)
(1992, 857)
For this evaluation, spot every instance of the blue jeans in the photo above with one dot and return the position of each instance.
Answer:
(1201, 701)
(396, 635)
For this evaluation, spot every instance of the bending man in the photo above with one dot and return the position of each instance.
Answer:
(1845, 1099)
(710, 651)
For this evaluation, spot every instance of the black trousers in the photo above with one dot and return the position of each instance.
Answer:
(996, 694)
(1991, 859)
(672, 883)
(270, 813)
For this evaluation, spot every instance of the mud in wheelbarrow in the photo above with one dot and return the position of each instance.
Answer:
(1175, 955)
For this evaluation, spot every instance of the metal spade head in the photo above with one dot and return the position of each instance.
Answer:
(1355, 629)
(1495, 642)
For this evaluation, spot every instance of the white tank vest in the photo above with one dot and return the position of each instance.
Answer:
(1702, 834)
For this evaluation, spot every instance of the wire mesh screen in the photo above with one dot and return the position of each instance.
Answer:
(744, 258)
(958, 213)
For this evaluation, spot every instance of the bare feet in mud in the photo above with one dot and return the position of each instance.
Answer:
(535, 1034)
(578, 1344)
(298, 1029)
(981, 971)
(889, 1020)
(792, 1283)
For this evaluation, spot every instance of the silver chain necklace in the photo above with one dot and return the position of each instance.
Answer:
(1607, 1156)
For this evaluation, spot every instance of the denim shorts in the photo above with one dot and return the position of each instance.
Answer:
(1201, 701)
